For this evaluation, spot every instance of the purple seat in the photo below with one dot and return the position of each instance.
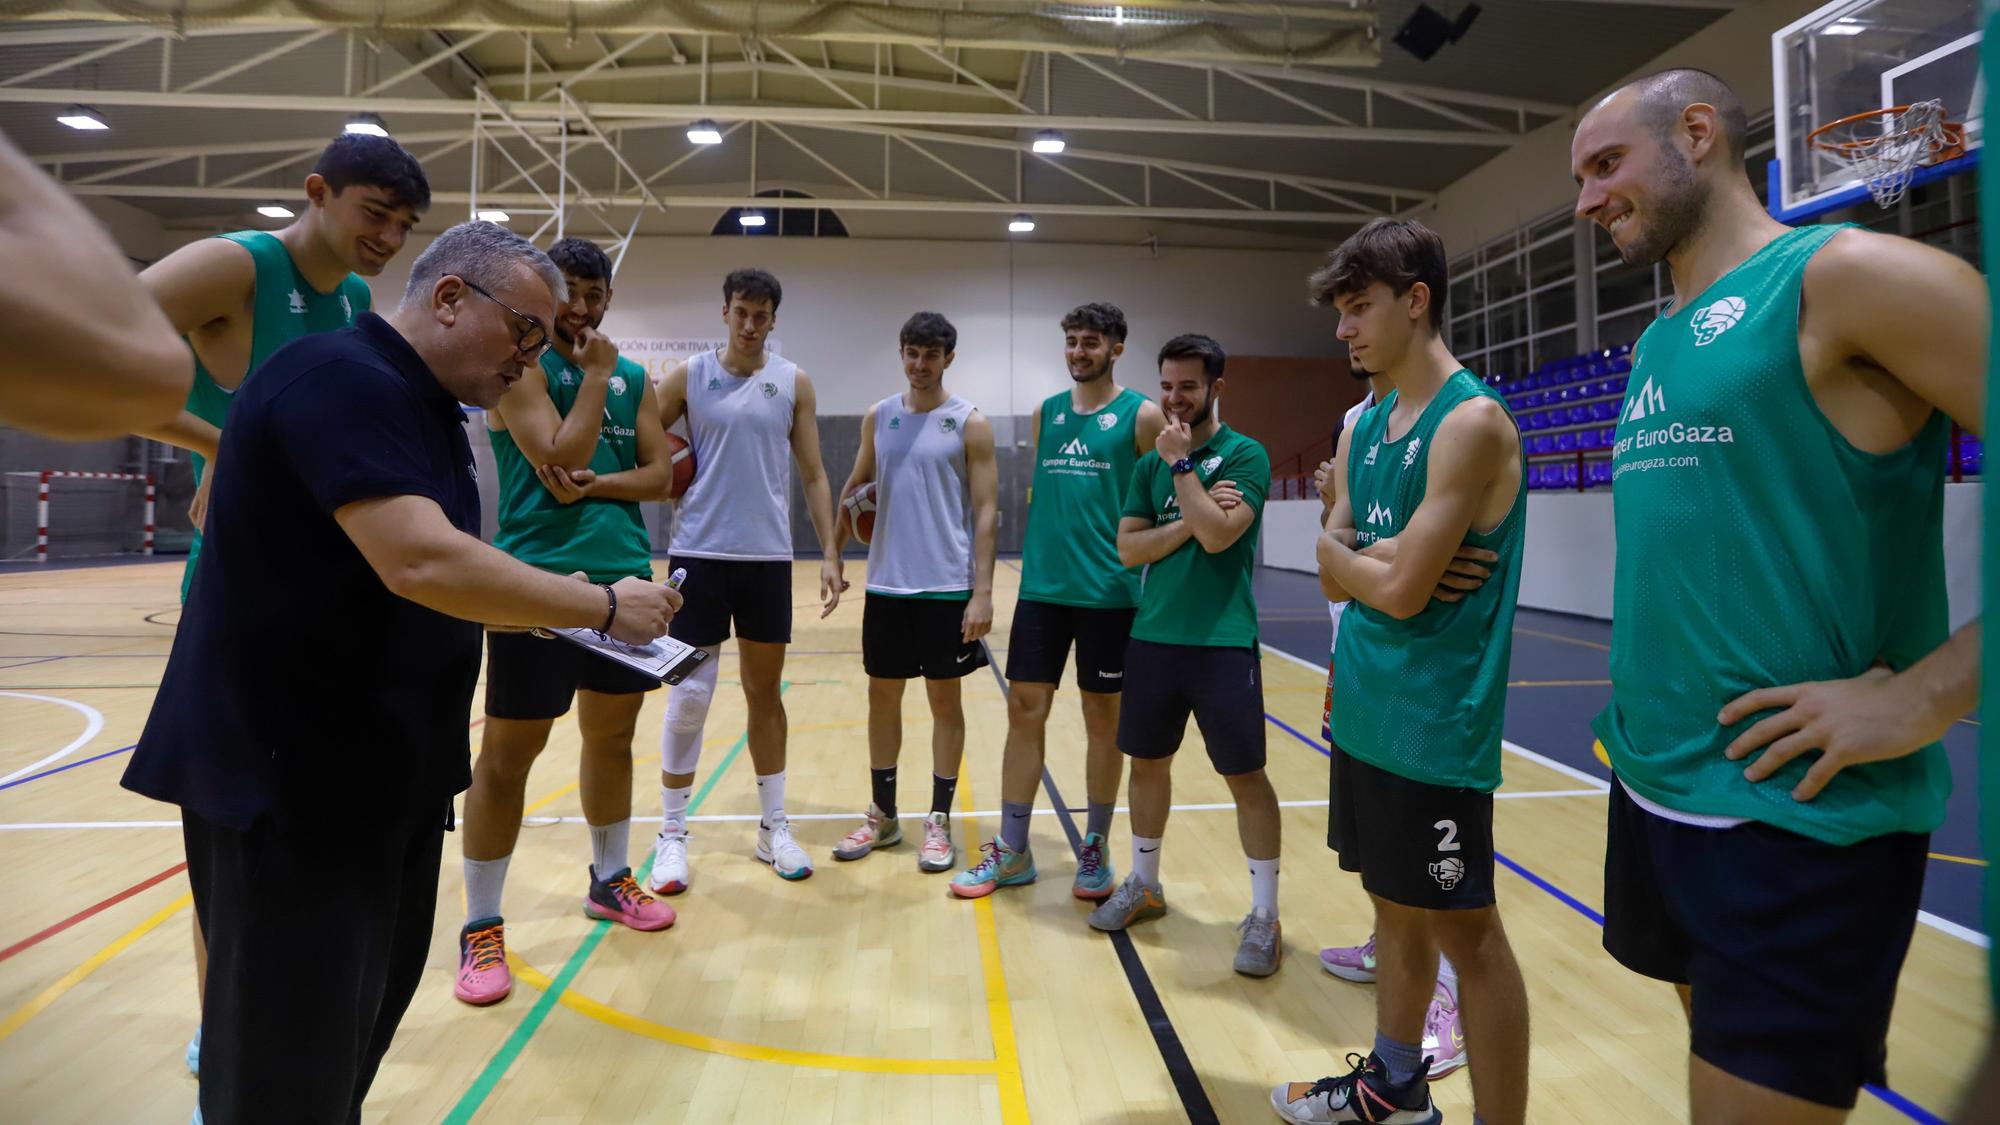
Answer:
(1578, 415)
(1590, 439)
(1600, 473)
(1566, 442)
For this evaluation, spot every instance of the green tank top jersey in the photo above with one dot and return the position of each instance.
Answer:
(605, 539)
(1424, 698)
(284, 308)
(1989, 745)
(1083, 464)
(1757, 548)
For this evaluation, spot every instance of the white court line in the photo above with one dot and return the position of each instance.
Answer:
(93, 722)
(1946, 925)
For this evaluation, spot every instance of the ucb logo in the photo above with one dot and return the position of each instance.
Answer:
(1648, 399)
(1377, 514)
(1448, 872)
(1713, 319)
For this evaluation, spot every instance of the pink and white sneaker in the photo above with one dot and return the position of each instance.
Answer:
(1351, 962)
(619, 899)
(878, 830)
(482, 963)
(1444, 1038)
(938, 853)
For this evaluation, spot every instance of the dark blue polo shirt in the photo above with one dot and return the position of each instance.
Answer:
(299, 686)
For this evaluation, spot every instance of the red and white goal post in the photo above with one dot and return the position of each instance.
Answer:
(44, 497)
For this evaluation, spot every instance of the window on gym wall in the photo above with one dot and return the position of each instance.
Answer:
(786, 219)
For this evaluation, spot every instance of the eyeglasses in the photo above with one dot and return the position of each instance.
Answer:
(531, 343)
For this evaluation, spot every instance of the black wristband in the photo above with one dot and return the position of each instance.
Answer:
(612, 596)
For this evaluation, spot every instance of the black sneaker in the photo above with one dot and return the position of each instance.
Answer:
(1362, 1094)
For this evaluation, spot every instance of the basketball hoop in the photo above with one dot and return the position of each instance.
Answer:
(1884, 147)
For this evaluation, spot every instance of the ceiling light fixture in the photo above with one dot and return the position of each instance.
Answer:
(275, 211)
(368, 125)
(82, 117)
(1021, 224)
(1049, 141)
(704, 132)
(493, 216)
(751, 218)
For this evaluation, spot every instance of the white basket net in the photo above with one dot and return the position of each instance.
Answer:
(1885, 149)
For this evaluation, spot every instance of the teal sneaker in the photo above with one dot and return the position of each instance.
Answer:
(1094, 874)
(1000, 867)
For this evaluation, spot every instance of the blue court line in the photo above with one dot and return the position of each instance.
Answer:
(70, 766)
(1894, 1100)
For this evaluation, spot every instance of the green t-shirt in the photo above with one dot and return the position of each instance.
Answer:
(284, 307)
(1082, 461)
(1192, 597)
(606, 539)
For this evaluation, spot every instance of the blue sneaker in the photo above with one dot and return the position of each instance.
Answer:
(1000, 867)
(1094, 874)
(194, 1056)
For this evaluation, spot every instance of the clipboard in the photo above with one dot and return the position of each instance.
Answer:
(665, 659)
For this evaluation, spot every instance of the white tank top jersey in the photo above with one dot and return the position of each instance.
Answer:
(740, 504)
(1346, 424)
(923, 536)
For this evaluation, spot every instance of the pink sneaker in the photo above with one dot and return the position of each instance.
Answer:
(482, 963)
(619, 899)
(937, 853)
(1352, 962)
(1444, 1038)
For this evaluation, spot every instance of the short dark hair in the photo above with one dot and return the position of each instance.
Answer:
(1193, 345)
(1664, 95)
(1103, 319)
(752, 284)
(929, 330)
(581, 258)
(377, 162)
(1396, 252)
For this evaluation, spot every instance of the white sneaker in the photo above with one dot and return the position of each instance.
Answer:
(669, 875)
(776, 847)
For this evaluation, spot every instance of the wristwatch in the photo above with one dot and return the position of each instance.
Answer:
(1184, 465)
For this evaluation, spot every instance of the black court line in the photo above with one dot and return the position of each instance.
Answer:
(1194, 1099)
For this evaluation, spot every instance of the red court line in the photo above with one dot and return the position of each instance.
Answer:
(79, 916)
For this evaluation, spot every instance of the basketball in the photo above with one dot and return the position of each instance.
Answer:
(859, 505)
(682, 456)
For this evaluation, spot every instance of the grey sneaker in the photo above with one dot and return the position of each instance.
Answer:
(1258, 953)
(1133, 901)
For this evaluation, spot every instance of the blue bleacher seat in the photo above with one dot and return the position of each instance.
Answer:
(1578, 415)
(1622, 364)
(1564, 394)
(1531, 400)
(1546, 443)
(1600, 473)
(1569, 477)
(1590, 439)
(1604, 411)
(1618, 385)
(1538, 420)
(1610, 434)
(1566, 442)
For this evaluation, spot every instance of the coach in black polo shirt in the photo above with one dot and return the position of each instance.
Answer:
(312, 720)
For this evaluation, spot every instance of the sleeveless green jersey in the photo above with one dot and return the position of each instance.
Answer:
(1083, 464)
(605, 539)
(1424, 698)
(1757, 548)
(284, 308)
(1989, 745)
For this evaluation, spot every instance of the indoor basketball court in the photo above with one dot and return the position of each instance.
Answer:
(1206, 156)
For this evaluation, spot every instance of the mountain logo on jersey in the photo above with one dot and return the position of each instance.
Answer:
(298, 302)
(1106, 420)
(1410, 452)
(1061, 417)
(896, 423)
(568, 378)
(715, 382)
(346, 309)
(1448, 872)
(1074, 447)
(1377, 514)
(770, 390)
(1212, 464)
(1715, 318)
(1647, 400)
(1372, 450)
(948, 425)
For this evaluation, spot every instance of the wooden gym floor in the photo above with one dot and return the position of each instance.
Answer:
(865, 993)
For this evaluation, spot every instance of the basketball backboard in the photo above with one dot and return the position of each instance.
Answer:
(1853, 56)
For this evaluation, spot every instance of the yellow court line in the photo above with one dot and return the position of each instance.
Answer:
(754, 1052)
(551, 799)
(1560, 637)
(71, 979)
(1603, 756)
(999, 1009)
(1965, 859)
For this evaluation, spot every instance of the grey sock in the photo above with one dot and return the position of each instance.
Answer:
(1097, 820)
(1014, 819)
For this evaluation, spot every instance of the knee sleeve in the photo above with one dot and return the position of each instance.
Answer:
(687, 714)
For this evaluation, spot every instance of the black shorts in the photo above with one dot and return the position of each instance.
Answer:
(530, 677)
(1038, 646)
(1429, 847)
(1222, 687)
(1791, 946)
(903, 638)
(756, 593)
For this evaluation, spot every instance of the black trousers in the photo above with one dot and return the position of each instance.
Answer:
(316, 941)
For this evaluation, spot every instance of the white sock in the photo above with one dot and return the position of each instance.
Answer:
(608, 845)
(674, 809)
(484, 879)
(771, 795)
(1264, 887)
(1447, 975)
(1146, 859)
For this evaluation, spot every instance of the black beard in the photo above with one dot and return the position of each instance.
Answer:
(1676, 214)
(1093, 373)
(1201, 416)
(563, 333)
